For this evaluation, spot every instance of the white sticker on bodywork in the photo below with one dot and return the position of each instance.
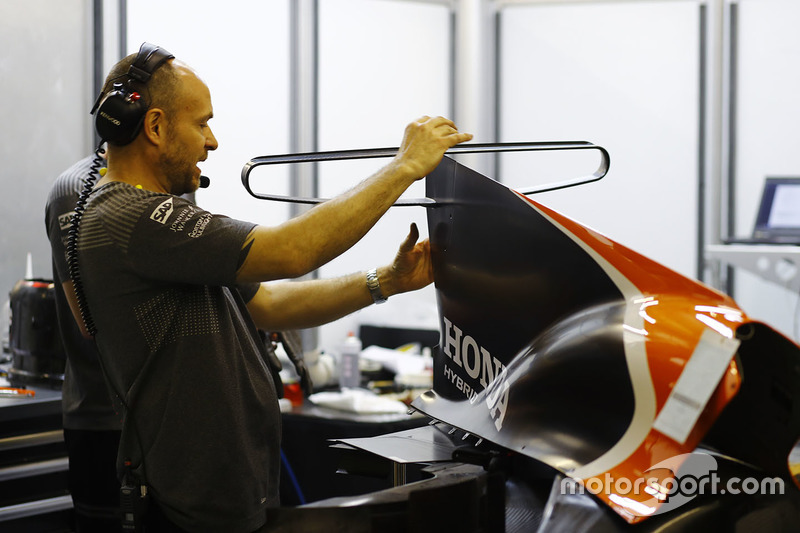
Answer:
(696, 384)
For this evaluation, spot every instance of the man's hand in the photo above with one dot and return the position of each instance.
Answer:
(290, 305)
(412, 268)
(424, 143)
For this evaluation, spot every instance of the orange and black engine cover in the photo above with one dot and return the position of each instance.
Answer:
(567, 347)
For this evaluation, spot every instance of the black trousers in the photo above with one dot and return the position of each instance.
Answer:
(93, 481)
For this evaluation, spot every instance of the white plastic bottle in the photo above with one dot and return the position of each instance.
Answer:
(350, 353)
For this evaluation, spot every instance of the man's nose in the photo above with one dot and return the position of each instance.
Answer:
(211, 141)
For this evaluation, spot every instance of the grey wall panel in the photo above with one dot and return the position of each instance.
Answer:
(45, 99)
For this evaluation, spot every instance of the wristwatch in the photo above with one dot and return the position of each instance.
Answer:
(374, 286)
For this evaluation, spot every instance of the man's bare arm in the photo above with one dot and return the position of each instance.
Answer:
(72, 300)
(307, 242)
(287, 305)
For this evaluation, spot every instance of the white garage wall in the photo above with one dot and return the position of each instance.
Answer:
(623, 75)
(245, 63)
(766, 139)
(381, 65)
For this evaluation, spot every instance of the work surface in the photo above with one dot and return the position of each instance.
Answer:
(46, 402)
(310, 465)
(309, 457)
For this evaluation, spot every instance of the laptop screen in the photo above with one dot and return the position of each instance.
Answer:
(779, 212)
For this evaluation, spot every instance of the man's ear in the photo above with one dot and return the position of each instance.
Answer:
(154, 125)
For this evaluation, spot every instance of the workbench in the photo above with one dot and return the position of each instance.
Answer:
(308, 432)
(33, 464)
(34, 497)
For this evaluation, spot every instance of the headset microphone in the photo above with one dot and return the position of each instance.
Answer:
(204, 182)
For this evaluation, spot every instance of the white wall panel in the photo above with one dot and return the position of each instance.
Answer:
(766, 138)
(623, 75)
(382, 64)
(240, 49)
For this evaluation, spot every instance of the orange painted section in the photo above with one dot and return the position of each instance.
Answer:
(672, 333)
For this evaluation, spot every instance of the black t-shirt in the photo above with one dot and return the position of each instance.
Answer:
(181, 348)
(85, 399)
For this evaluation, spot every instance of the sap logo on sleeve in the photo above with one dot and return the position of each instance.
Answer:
(162, 212)
(65, 220)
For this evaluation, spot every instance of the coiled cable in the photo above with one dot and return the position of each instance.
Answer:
(74, 274)
(72, 240)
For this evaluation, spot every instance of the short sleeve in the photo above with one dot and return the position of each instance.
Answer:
(248, 290)
(175, 241)
(58, 218)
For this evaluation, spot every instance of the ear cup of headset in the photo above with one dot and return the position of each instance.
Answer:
(119, 117)
(120, 113)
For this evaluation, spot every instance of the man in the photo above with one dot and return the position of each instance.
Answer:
(176, 294)
(91, 424)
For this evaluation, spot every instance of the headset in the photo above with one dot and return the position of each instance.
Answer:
(120, 112)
